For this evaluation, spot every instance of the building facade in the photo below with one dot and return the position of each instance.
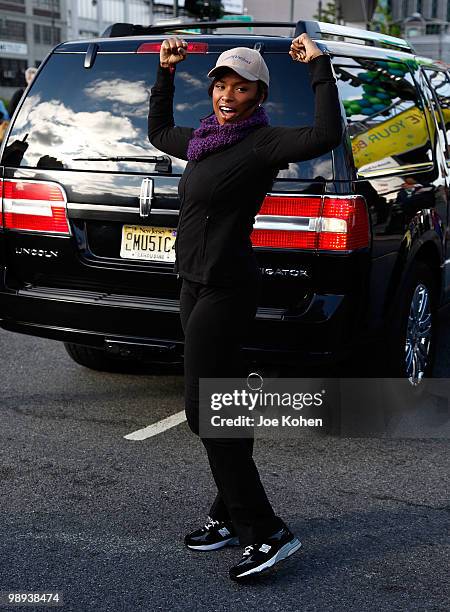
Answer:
(89, 18)
(425, 23)
(28, 29)
(429, 9)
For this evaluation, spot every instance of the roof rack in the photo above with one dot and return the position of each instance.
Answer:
(129, 29)
(315, 29)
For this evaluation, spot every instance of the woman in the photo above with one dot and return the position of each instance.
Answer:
(233, 158)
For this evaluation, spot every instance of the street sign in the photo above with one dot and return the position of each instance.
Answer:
(238, 18)
(233, 6)
(13, 47)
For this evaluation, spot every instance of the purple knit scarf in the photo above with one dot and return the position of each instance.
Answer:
(211, 136)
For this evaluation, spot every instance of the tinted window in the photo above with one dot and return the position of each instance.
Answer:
(73, 112)
(385, 115)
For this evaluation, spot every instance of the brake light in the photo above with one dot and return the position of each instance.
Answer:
(328, 223)
(35, 206)
(155, 47)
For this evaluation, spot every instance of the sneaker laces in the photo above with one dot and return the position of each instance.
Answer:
(248, 550)
(210, 523)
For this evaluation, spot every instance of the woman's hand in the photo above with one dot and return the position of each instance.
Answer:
(173, 50)
(303, 49)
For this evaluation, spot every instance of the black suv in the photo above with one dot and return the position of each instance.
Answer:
(353, 246)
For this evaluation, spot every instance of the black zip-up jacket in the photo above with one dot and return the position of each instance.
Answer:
(221, 194)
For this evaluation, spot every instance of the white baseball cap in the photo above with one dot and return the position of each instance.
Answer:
(248, 63)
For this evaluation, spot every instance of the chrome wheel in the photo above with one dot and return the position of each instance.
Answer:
(418, 335)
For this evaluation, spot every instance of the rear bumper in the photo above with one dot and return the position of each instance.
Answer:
(135, 326)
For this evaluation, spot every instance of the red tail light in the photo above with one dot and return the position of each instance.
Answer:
(35, 206)
(155, 47)
(329, 223)
(308, 206)
(282, 239)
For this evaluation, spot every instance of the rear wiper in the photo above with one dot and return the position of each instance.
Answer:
(163, 163)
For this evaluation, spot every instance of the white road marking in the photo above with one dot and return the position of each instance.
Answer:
(158, 427)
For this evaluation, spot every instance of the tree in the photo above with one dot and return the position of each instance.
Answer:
(328, 14)
(382, 19)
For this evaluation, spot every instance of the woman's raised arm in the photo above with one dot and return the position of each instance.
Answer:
(280, 145)
(162, 132)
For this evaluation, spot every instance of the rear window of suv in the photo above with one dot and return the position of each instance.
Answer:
(72, 112)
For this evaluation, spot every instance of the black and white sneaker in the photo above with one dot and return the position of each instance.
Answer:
(259, 557)
(214, 535)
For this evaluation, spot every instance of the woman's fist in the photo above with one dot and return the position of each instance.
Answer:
(173, 50)
(303, 49)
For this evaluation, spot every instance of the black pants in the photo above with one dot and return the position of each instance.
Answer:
(215, 320)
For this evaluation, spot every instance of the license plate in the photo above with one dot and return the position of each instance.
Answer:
(149, 243)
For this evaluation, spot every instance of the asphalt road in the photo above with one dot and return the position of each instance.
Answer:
(100, 518)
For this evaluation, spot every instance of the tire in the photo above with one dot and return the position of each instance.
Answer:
(382, 407)
(97, 359)
(411, 340)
